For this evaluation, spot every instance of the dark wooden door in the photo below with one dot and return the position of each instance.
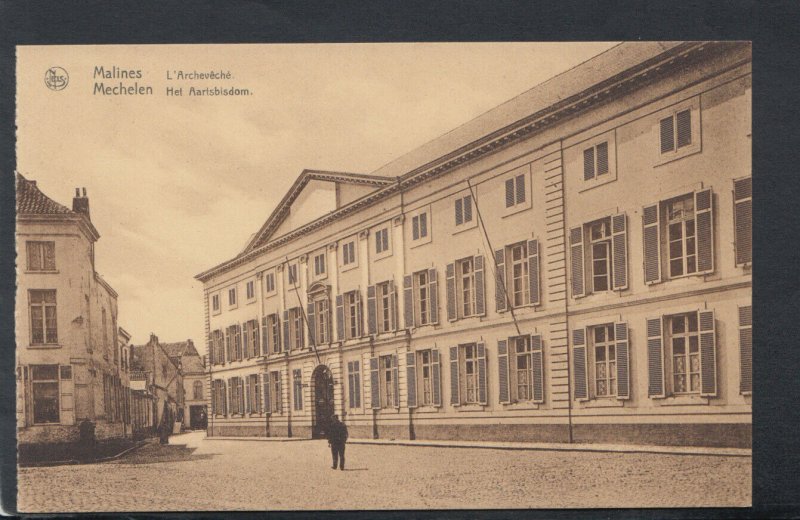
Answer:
(323, 401)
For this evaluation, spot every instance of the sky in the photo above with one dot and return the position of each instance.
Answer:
(177, 184)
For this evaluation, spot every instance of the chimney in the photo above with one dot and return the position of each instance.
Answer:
(80, 204)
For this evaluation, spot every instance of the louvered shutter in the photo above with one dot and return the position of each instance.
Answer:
(231, 397)
(482, 373)
(357, 383)
(359, 312)
(537, 368)
(704, 216)
(602, 158)
(374, 382)
(502, 371)
(520, 189)
(623, 361)
(451, 292)
(684, 126)
(499, 281)
(619, 245)
(509, 192)
(480, 288)
(396, 380)
(286, 331)
(256, 338)
(436, 378)
(468, 208)
(266, 338)
(588, 164)
(745, 349)
(372, 311)
(279, 391)
(351, 385)
(248, 404)
(743, 219)
(211, 349)
(455, 398)
(579, 364)
(312, 323)
(652, 244)
(246, 341)
(392, 306)
(411, 380)
(340, 317)
(708, 354)
(533, 272)
(228, 345)
(459, 211)
(433, 294)
(408, 301)
(655, 359)
(415, 228)
(667, 135)
(576, 258)
(223, 386)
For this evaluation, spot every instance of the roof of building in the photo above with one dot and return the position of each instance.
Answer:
(31, 200)
(180, 349)
(192, 365)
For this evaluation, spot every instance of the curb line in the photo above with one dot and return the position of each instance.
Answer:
(69, 462)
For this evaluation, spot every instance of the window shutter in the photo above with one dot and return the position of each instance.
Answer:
(708, 354)
(359, 319)
(509, 192)
(743, 219)
(279, 391)
(350, 385)
(533, 272)
(229, 345)
(451, 292)
(372, 311)
(455, 398)
(667, 135)
(357, 385)
(393, 306)
(459, 211)
(576, 257)
(579, 364)
(248, 404)
(436, 378)
(520, 189)
(468, 208)
(246, 345)
(411, 380)
(415, 228)
(211, 349)
(499, 281)
(745, 349)
(652, 244)
(231, 397)
(328, 324)
(374, 382)
(602, 158)
(286, 331)
(256, 338)
(312, 324)
(623, 361)
(224, 397)
(502, 371)
(482, 373)
(480, 292)
(265, 386)
(704, 215)
(433, 295)
(537, 366)
(684, 124)
(340, 317)
(655, 359)
(408, 301)
(395, 379)
(588, 164)
(619, 245)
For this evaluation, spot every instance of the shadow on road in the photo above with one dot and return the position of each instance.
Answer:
(157, 453)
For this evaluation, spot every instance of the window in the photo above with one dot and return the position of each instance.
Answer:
(275, 391)
(422, 302)
(271, 332)
(676, 131)
(319, 320)
(467, 374)
(319, 265)
(296, 328)
(600, 254)
(466, 286)
(681, 236)
(41, 256)
(250, 288)
(419, 226)
(515, 191)
(386, 307)
(463, 210)
(469, 368)
(684, 341)
(269, 283)
(349, 253)
(237, 395)
(232, 297)
(215, 303)
(388, 382)
(218, 402)
(217, 347)
(44, 329)
(425, 390)
(44, 379)
(520, 369)
(605, 360)
(197, 390)
(297, 382)
(382, 240)
(253, 394)
(595, 161)
(352, 311)
(234, 343)
(250, 337)
(518, 274)
(522, 375)
(353, 384)
(292, 274)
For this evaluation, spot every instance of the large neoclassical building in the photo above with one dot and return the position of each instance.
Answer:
(573, 265)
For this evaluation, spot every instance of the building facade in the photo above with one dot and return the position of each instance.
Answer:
(68, 360)
(193, 371)
(158, 379)
(573, 265)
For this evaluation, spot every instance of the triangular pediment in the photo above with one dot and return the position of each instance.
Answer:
(313, 195)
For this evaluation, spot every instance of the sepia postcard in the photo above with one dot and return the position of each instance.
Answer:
(383, 276)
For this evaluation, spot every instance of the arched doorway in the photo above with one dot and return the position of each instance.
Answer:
(323, 401)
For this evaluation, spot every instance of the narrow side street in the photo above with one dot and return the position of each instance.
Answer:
(193, 473)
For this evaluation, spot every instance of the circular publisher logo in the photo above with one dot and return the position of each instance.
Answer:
(56, 78)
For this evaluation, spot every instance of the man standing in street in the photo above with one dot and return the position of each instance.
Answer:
(337, 437)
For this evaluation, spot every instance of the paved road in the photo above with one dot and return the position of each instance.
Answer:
(251, 475)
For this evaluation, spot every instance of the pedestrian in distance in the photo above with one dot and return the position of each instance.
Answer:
(337, 437)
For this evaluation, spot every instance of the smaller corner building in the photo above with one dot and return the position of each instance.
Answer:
(574, 265)
(71, 363)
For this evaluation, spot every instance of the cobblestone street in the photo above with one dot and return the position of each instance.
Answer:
(197, 474)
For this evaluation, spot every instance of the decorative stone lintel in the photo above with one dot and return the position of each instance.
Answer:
(333, 246)
(363, 235)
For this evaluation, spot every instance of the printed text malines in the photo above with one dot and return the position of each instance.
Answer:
(121, 87)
